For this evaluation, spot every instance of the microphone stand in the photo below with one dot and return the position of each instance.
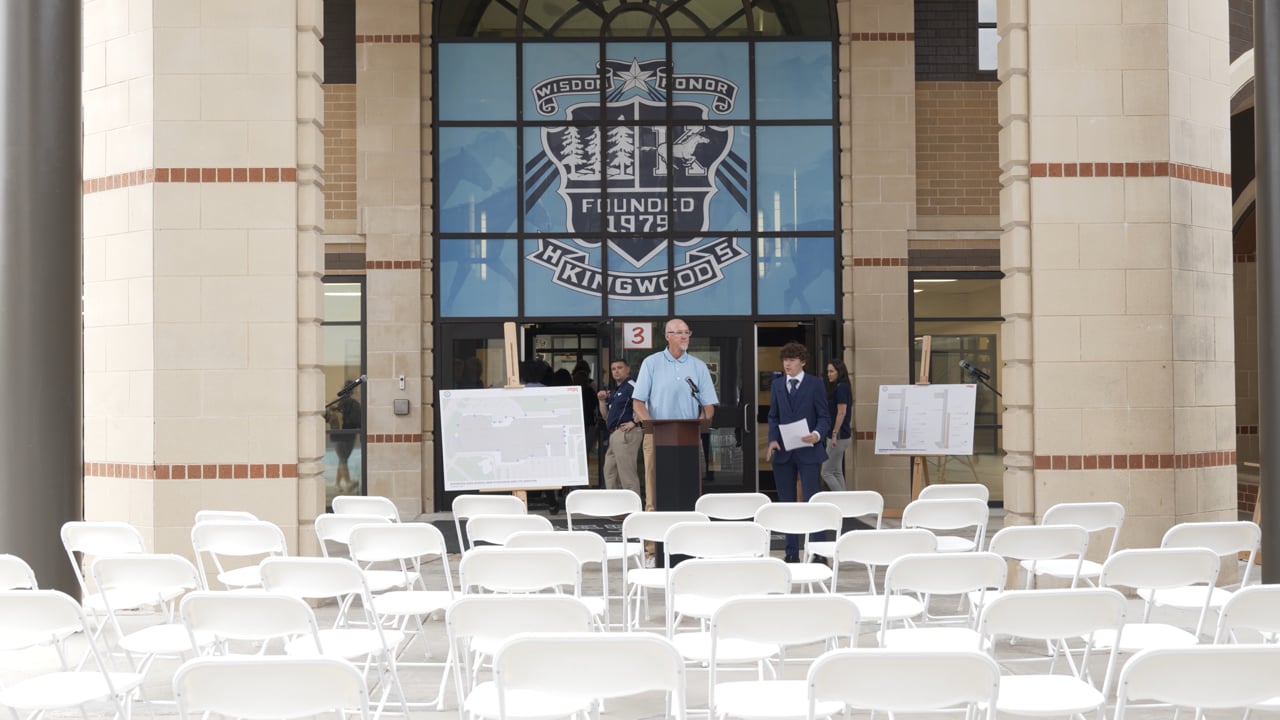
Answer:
(983, 382)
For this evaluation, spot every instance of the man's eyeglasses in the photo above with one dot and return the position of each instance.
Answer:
(679, 332)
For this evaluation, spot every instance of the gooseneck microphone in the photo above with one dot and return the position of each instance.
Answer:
(692, 386)
(974, 370)
(352, 385)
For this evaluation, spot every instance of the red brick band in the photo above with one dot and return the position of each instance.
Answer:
(1246, 496)
(882, 36)
(864, 435)
(388, 39)
(393, 264)
(396, 438)
(1181, 171)
(1246, 429)
(190, 175)
(1245, 258)
(191, 472)
(1167, 461)
(879, 262)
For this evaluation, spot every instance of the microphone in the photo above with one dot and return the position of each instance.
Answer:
(692, 385)
(352, 385)
(974, 370)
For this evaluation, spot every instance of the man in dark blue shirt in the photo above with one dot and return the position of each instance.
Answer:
(625, 434)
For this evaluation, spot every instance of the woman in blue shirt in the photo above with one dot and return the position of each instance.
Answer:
(840, 402)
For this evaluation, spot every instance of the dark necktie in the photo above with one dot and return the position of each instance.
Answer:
(795, 382)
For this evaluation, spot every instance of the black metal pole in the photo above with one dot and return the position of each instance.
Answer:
(1266, 63)
(41, 321)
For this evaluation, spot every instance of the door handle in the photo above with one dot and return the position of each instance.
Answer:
(746, 414)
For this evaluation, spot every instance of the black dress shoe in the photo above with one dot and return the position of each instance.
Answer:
(791, 559)
(821, 560)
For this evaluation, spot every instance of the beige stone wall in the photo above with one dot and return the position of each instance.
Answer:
(340, 157)
(957, 149)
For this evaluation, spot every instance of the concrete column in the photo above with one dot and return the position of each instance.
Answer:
(877, 166)
(40, 279)
(1127, 386)
(1266, 41)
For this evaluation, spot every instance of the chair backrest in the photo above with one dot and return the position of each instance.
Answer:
(731, 506)
(408, 544)
(313, 578)
(800, 518)
(49, 616)
(498, 617)
(601, 502)
(933, 574)
(332, 527)
(653, 525)
(1161, 568)
(724, 578)
(854, 503)
(1255, 608)
(902, 681)
(729, 538)
(588, 547)
(235, 538)
(977, 491)
(97, 538)
(1033, 543)
(259, 688)
(466, 507)
(210, 515)
(1224, 538)
(519, 570)
(495, 529)
(256, 617)
(878, 548)
(143, 575)
(366, 505)
(586, 665)
(947, 514)
(1052, 614)
(1092, 516)
(785, 620)
(16, 574)
(1206, 677)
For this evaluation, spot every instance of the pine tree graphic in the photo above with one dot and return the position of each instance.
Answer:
(571, 151)
(592, 172)
(622, 159)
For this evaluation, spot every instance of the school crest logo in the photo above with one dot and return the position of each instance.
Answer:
(637, 174)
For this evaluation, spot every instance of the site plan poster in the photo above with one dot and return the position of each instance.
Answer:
(925, 419)
(513, 439)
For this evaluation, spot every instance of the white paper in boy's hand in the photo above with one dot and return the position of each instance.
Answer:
(793, 434)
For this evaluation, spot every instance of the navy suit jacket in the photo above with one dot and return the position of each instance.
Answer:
(809, 403)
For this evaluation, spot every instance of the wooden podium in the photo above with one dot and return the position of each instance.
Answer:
(678, 478)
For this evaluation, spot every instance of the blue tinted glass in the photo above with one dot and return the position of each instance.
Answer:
(477, 82)
(793, 81)
(728, 207)
(714, 277)
(713, 75)
(796, 276)
(477, 180)
(557, 76)
(561, 278)
(638, 277)
(544, 205)
(478, 278)
(794, 179)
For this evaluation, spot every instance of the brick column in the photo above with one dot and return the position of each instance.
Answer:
(877, 166)
(1125, 295)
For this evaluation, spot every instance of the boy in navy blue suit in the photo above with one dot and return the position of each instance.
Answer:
(796, 395)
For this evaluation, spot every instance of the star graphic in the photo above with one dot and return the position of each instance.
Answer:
(634, 78)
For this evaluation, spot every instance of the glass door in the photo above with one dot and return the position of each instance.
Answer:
(728, 348)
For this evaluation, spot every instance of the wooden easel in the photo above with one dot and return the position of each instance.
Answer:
(919, 463)
(511, 351)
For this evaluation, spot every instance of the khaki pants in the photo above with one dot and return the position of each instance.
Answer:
(650, 473)
(620, 460)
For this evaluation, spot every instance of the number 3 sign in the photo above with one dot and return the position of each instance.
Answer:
(637, 336)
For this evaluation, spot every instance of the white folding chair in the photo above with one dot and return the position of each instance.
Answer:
(725, 539)
(637, 529)
(220, 541)
(605, 503)
(1053, 617)
(247, 623)
(1206, 677)
(39, 617)
(215, 515)
(535, 674)
(1154, 569)
(16, 574)
(1095, 517)
(897, 681)
(93, 539)
(269, 687)
(366, 505)
(479, 624)
(878, 549)
(853, 504)
(1255, 610)
(497, 569)
(950, 514)
(495, 529)
(466, 507)
(1033, 544)
(588, 548)
(336, 528)
(336, 579)
(785, 621)
(945, 491)
(804, 519)
(731, 506)
(1226, 539)
(927, 576)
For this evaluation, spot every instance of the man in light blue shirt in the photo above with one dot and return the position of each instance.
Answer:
(665, 390)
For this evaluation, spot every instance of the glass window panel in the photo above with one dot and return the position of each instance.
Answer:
(716, 77)
(795, 178)
(728, 208)
(988, 46)
(793, 81)
(788, 18)
(956, 297)
(714, 277)
(561, 278)
(342, 301)
(477, 180)
(986, 11)
(478, 278)
(546, 165)
(558, 76)
(638, 276)
(477, 82)
(636, 24)
(795, 276)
